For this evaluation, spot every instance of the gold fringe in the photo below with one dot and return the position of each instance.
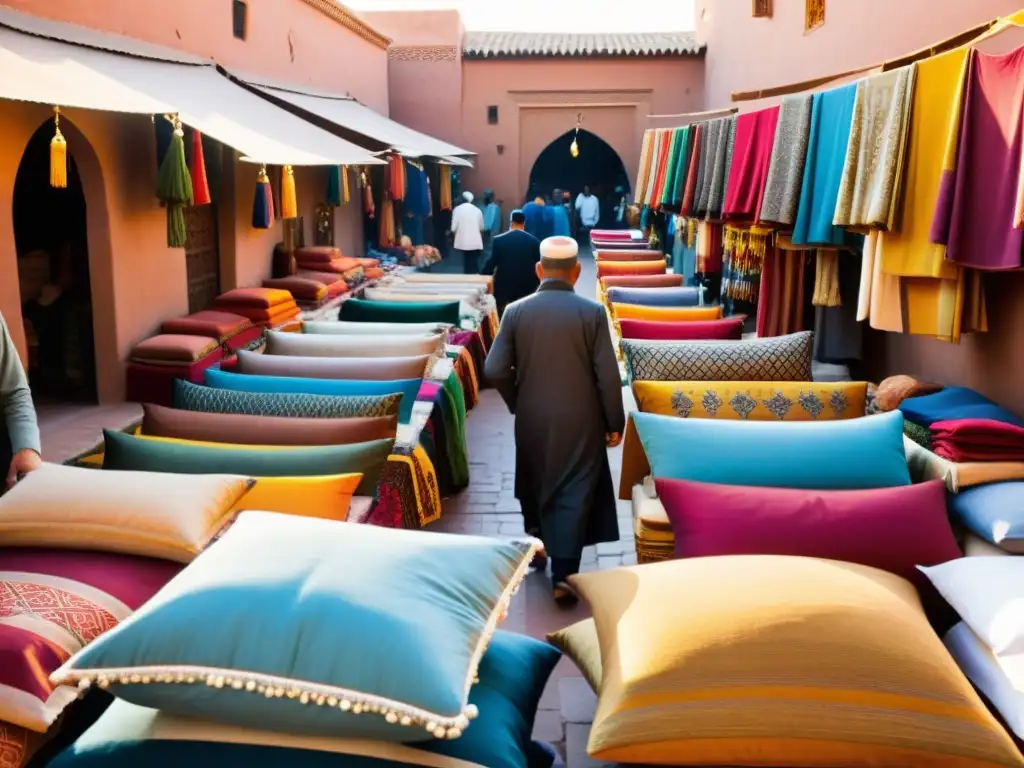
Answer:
(58, 155)
(826, 280)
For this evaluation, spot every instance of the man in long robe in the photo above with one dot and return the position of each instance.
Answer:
(554, 365)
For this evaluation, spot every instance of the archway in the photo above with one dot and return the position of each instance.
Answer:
(598, 165)
(51, 240)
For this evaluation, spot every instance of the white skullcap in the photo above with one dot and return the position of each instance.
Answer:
(467, 196)
(559, 248)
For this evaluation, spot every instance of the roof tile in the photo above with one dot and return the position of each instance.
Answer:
(485, 45)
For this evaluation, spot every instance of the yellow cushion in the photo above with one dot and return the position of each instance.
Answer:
(779, 661)
(774, 401)
(579, 643)
(152, 514)
(666, 314)
(327, 497)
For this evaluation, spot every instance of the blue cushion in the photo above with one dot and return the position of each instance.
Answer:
(954, 403)
(244, 382)
(655, 297)
(835, 455)
(389, 620)
(995, 512)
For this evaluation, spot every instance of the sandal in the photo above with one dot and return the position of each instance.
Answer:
(565, 596)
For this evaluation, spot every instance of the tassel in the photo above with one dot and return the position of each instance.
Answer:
(177, 228)
(200, 184)
(334, 185)
(263, 202)
(164, 130)
(346, 194)
(289, 207)
(826, 280)
(58, 155)
(174, 186)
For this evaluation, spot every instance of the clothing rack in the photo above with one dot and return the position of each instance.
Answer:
(695, 116)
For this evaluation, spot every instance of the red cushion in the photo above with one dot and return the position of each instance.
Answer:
(893, 529)
(217, 325)
(727, 329)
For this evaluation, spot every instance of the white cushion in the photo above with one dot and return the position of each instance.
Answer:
(975, 546)
(1000, 678)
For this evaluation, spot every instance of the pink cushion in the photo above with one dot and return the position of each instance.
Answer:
(893, 529)
(728, 329)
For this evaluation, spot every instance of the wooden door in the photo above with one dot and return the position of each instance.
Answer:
(202, 256)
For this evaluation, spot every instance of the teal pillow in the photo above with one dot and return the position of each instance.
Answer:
(192, 397)
(356, 631)
(128, 452)
(854, 454)
(245, 382)
(365, 311)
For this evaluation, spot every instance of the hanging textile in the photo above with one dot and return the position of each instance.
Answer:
(386, 222)
(673, 167)
(682, 166)
(743, 256)
(715, 158)
(445, 190)
(396, 176)
(786, 167)
(780, 306)
(755, 136)
(690, 185)
(880, 301)
(826, 279)
(664, 147)
(831, 113)
(684, 252)
(977, 206)
(417, 201)
(652, 176)
(708, 247)
(838, 337)
(944, 309)
(644, 171)
(368, 205)
(874, 165)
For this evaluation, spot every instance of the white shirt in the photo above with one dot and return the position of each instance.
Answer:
(589, 208)
(467, 224)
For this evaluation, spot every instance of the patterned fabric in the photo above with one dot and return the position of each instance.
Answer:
(16, 745)
(920, 435)
(784, 358)
(786, 171)
(754, 401)
(78, 617)
(191, 397)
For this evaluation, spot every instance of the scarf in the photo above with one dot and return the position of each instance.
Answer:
(780, 306)
(786, 167)
(744, 251)
(826, 280)
(880, 301)
(644, 170)
(682, 166)
(671, 168)
(653, 175)
(714, 168)
(755, 137)
(692, 170)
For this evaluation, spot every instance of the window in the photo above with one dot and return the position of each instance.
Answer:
(762, 9)
(492, 115)
(815, 14)
(239, 18)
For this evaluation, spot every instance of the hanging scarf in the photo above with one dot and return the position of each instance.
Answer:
(709, 244)
(755, 136)
(720, 170)
(690, 187)
(386, 222)
(682, 166)
(786, 167)
(743, 256)
(826, 280)
(780, 306)
(664, 147)
(672, 168)
(445, 192)
(653, 174)
(644, 171)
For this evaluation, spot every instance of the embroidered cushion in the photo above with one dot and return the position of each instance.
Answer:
(609, 268)
(192, 397)
(801, 662)
(656, 297)
(837, 455)
(349, 592)
(363, 311)
(783, 358)
(729, 328)
(314, 345)
(753, 401)
(347, 328)
(169, 516)
(666, 314)
(995, 512)
(954, 403)
(999, 678)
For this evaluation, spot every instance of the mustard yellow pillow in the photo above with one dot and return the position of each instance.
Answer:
(665, 314)
(152, 514)
(327, 497)
(579, 643)
(772, 661)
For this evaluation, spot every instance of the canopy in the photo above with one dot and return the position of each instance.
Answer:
(457, 161)
(68, 66)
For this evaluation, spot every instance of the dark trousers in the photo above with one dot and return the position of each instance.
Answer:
(564, 567)
(471, 262)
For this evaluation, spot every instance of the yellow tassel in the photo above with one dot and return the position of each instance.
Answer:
(345, 193)
(826, 280)
(58, 155)
(289, 206)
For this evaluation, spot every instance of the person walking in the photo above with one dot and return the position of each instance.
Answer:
(589, 208)
(554, 365)
(513, 262)
(467, 227)
(492, 221)
(536, 219)
(20, 447)
(559, 217)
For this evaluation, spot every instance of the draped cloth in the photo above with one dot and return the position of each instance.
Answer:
(748, 174)
(664, 147)
(672, 167)
(977, 206)
(715, 160)
(838, 337)
(690, 187)
(709, 244)
(780, 306)
(880, 301)
(652, 182)
(682, 165)
(831, 115)
(644, 170)
(786, 167)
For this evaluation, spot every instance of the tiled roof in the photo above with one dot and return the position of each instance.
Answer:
(493, 45)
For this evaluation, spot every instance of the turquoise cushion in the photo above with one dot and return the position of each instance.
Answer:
(127, 452)
(995, 512)
(835, 455)
(365, 311)
(192, 397)
(513, 674)
(391, 620)
(244, 382)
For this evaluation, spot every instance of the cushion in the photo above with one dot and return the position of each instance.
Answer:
(975, 546)
(259, 298)
(191, 397)
(641, 281)
(243, 429)
(334, 282)
(346, 328)
(626, 254)
(751, 400)
(273, 316)
(652, 531)
(173, 348)
(52, 603)
(895, 389)
(730, 328)
(894, 529)
(987, 593)
(608, 268)
(162, 454)
(349, 592)
(364, 311)
(976, 440)
(318, 253)
(655, 297)
(360, 368)
(999, 678)
(327, 497)
(925, 465)
(954, 403)
(301, 288)
(782, 358)
(666, 314)
(579, 642)
(219, 326)
(311, 345)
(853, 454)
(995, 512)
(769, 660)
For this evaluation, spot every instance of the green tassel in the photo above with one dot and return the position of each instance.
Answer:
(334, 186)
(174, 181)
(177, 229)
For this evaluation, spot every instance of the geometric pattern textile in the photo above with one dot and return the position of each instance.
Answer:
(191, 397)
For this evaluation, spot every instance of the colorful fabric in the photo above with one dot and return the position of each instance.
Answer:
(354, 368)
(743, 251)
(730, 328)
(748, 175)
(955, 403)
(640, 281)
(314, 345)
(258, 298)
(666, 314)
(682, 167)
(191, 397)
(780, 306)
(615, 268)
(361, 310)
(995, 512)
(221, 326)
(697, 144)
(301, 288)
(786, 166)
(173, 349)
(925, 465)
(716, 158)
(977, 440)
(146, 383)
(709, 245)
(623, 254)
(655, 297)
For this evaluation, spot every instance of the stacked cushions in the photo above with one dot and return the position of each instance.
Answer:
(363, 311)
(224, 327)
(332, 281)
(655, 297)
(347, 328)
(301, 288)
(609, 268)
(995, 512)
(925, 465)
(311, 345)
(173, 349)
(191, 397)
(754, 401)
(641, 281)
(783, 358)
(263, 306)
(626, 254)
(169, 516)
(954, 403)
(360, 368)
(350, 593)
(666, 314)
(652, 530)
(812, 663)
(729, 328)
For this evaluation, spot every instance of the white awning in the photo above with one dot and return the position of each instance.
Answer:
(63, 65)
(461, 162)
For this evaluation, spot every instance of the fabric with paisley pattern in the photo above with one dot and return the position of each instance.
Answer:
(754, 401)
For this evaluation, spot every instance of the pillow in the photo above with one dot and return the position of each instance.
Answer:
(273, 316)
(128, 736)
(1000, 680)
(753, 401)
(894, 529)
(173, 349)
(161, 454)
(656, 297)
(641, 281)
(666, 314)
(363, 311)
(257, 298)
(974, 546)
(310, 345)
(368, 629)
(301, 288)
(242, 429)
(954, 403)
(360, 368)
(854, 454)
(730, 328)
(168, 516)
(782, 358)
(327, 497)
(995, 512)
(237, 382)
(774, 660)
(925, 465)
(609, 268)
(346, 328)
(627, 254)
(192, 397)
(579, 642)
(988, 593)
(219, 326)
(895, 389)
(318, 253)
